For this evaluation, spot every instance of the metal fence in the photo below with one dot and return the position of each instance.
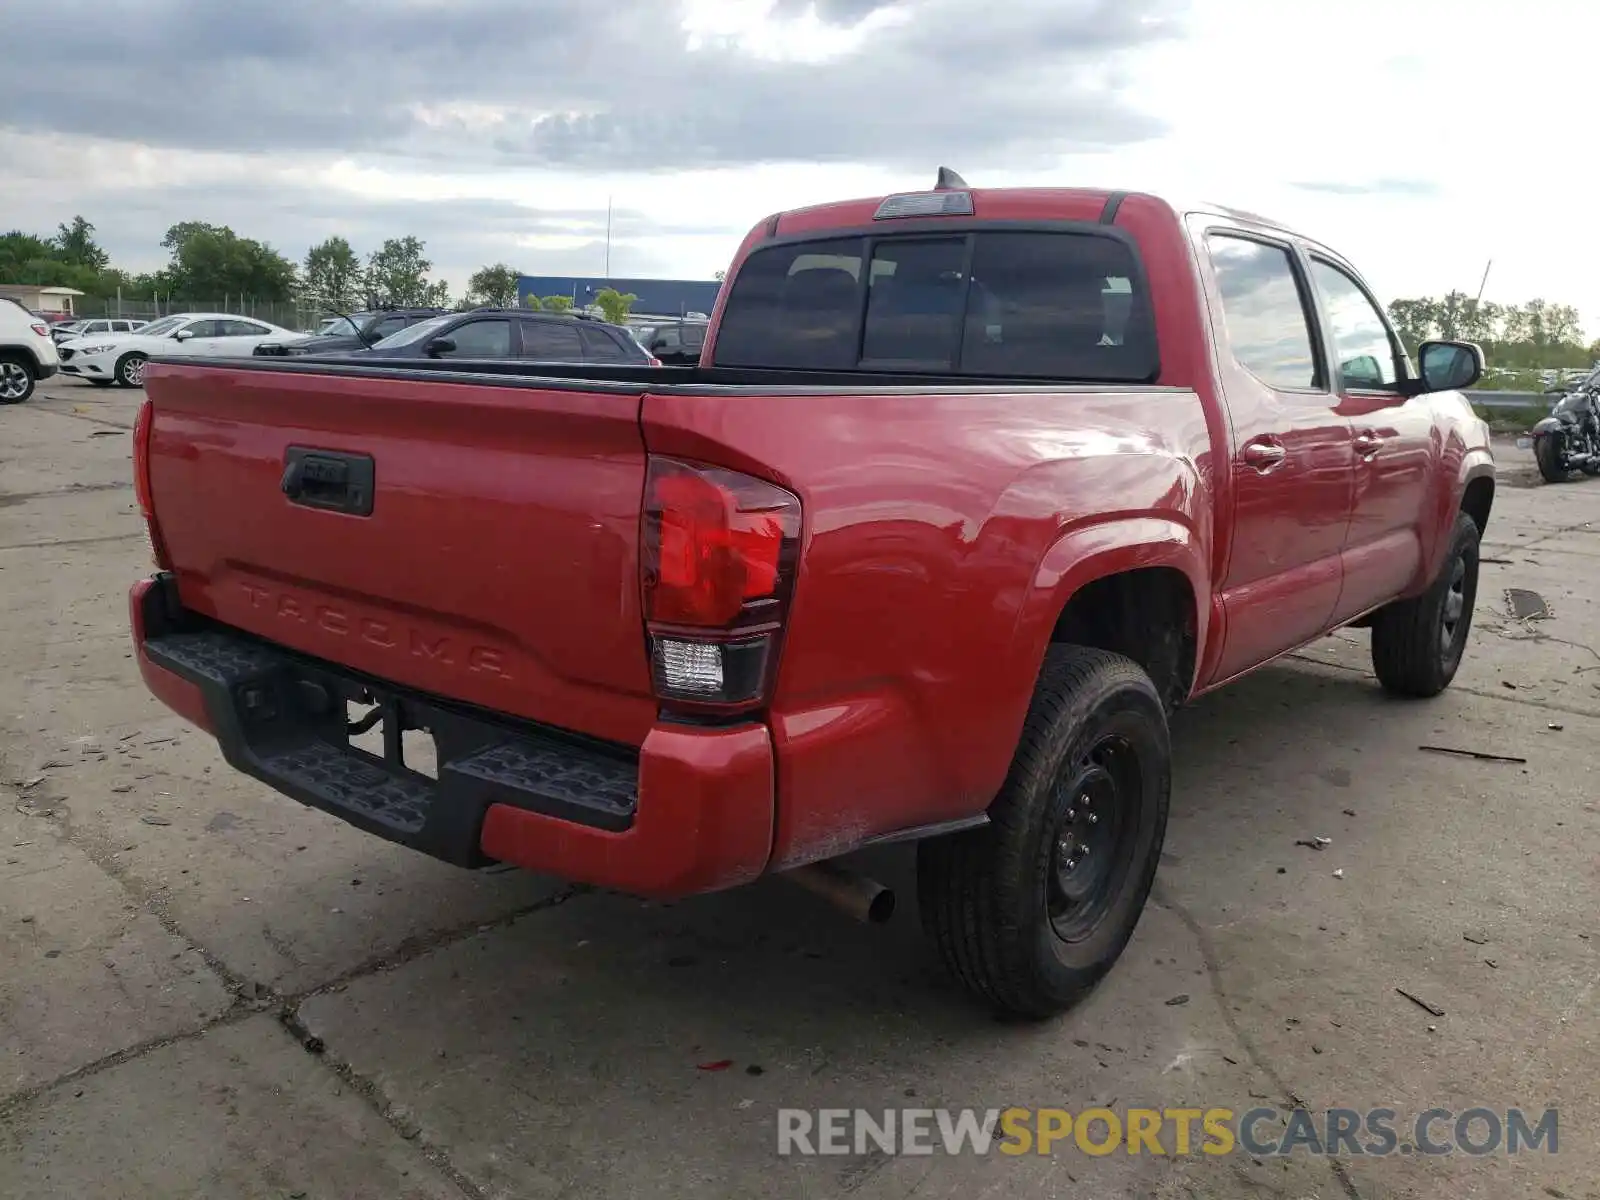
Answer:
(290, 314)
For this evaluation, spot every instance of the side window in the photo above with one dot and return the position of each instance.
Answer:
(481, 339)
(387, 326)
(97, 327)
(794, 306)
(694, 337)
(667, 339)
(597, 347)
(551, 342)
(203, 329)
(916, 296)
(240, 329)
(1361, 342)
(1264, 311)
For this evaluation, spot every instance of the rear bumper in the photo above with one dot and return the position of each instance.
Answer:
(691, 811)
(46, 370)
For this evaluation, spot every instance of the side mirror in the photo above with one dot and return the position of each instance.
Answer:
(183, 335)
(438, 346)
(1449, 366)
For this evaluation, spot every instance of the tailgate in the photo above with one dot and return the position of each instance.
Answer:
(498, 564)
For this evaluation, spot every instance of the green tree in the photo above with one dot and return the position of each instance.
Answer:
(720, 276)
(1414, 320)
(212, 263)
(76, 244)
(332, 275)
(495, 286)
(614, 305)
(397, 274)
(554, 303)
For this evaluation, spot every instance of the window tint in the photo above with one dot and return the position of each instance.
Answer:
(551, 341)
(599, 347)
(1056, 305)
(385, 327)
(1360, 339)
(916, 297)
(1045, 304)
(694, 337)
(1264, 312)
(240, 329)
(794, 306)
(97, 327)
(480, 339)
(667, 339)
(203, 329)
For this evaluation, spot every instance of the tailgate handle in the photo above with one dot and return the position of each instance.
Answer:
(328, 479)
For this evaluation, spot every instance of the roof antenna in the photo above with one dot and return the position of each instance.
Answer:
(949, 181)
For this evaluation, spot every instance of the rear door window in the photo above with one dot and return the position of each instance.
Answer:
(1041, 304)
(597, 347)
(550, 342)
(1265, 311)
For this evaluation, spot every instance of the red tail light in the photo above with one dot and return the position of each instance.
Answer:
(141, 483)
(718, 559)
(40, 328)
(654, 361)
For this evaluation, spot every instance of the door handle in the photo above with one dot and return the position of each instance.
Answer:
(1263, 456)
(1367, 444)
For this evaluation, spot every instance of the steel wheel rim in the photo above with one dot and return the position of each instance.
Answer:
(133, 371)
(1095, 827)
(1455, 604)
(13, 381)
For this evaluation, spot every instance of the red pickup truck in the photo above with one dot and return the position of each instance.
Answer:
(970, 489)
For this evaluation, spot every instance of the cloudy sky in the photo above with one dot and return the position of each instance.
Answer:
(1420, 137)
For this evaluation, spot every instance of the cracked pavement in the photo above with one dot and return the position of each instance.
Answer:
(207, 990)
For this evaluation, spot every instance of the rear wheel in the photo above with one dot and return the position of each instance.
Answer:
(1547, 453)
(130, 369)
(1031, 910)
(1417, 644)
(17, 378)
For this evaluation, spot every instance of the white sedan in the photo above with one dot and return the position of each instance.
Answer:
(120, 357)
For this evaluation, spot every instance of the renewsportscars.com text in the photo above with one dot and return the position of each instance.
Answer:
(1263, 1132)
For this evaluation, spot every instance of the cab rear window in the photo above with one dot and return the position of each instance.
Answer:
(1031, 304)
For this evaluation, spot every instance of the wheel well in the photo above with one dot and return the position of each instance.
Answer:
(1147, 615)
(1477, 500)
(23, 354)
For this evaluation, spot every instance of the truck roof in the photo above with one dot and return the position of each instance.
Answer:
(1001, 203)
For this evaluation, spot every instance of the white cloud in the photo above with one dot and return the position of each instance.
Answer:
(1419, 137)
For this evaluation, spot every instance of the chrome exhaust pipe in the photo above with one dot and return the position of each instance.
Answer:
(867, 900)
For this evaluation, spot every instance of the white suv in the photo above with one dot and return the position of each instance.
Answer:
(27, 352)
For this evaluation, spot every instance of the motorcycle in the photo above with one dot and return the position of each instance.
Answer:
(1569, 438)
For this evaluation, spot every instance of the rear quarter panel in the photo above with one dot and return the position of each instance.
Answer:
(942, 535)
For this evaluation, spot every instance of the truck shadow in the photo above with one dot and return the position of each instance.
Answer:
(1270, 758)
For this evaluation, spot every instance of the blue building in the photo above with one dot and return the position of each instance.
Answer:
(657, 297)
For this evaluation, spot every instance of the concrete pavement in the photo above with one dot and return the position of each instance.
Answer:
(207, 990)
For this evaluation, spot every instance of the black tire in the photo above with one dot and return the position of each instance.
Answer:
(18, 377)
(99, 382)
(1417, 644)
(995, 900)
(130, 369)
(1547, 453)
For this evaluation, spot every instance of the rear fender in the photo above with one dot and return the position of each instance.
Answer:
(1089, 553)
(1547, 426)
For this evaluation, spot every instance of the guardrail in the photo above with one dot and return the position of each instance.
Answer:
(1490, 399)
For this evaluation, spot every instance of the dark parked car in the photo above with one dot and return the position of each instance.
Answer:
(514, 333)
(354, 332)
(674, 343)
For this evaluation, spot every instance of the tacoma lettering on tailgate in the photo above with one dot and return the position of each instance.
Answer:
(385, 634)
